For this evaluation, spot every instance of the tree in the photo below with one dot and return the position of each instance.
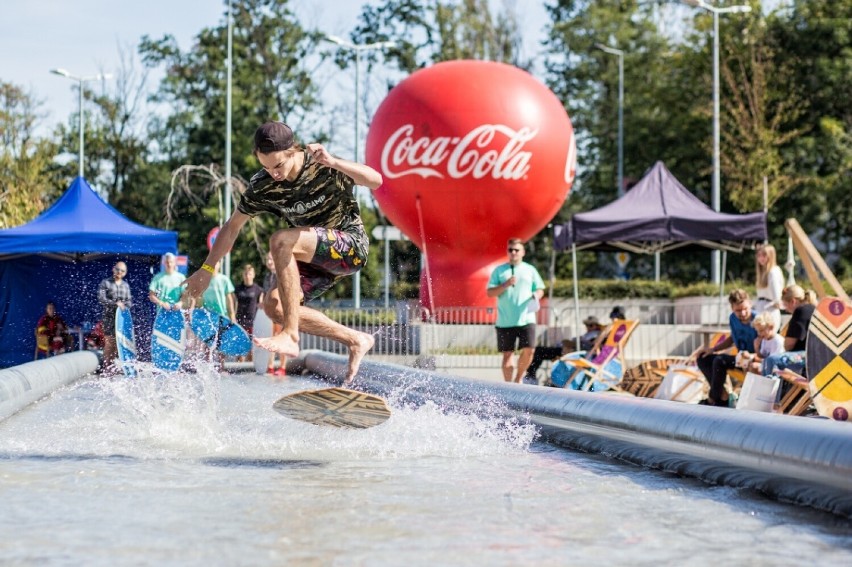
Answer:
(432, 31)
(28, 177)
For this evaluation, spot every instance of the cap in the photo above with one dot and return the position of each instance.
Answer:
(273, 137)
(591, 320)
(168, 256)
(617, 312)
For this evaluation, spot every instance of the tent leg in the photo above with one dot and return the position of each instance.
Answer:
(576, 295)
(722, 288)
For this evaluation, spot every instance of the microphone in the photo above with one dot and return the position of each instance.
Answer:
(512, 266)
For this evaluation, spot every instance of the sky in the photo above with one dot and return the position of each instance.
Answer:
(85, 37)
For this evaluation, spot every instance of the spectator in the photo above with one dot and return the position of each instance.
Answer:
(53, 327)
(802, 304)
(767, 343)
(248, 294)
(219, 295)
(617, 313)
(715, 365)
(518, 288)
(113, 293)
(770, 282)
(165, 288)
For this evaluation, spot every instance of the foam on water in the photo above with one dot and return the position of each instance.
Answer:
(203, 414)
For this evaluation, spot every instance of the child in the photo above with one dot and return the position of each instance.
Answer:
(768, 342)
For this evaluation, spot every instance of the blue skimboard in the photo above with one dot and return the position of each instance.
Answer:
(168, 341)
(220, 333)
(125, 341)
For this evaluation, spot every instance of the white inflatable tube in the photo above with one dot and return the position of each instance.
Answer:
(24, 384)
(799, 459)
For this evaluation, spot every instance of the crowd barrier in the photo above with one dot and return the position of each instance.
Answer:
(803, 460)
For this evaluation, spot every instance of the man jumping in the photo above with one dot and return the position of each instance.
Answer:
(314, 192)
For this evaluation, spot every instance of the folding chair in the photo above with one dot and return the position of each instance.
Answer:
(645, 378)
(605, 370)
(797, 400)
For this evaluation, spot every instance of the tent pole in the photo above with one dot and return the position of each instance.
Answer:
(550, 320)
(576, 295)
(722, 287)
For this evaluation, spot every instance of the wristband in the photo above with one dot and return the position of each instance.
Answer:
(208, 268)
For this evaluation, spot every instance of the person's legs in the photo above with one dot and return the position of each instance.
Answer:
(317, 323)
(524, 359)
(110, 352)
(540, 354)
(526, 342)
(719, 373)
(506, 346)
(287, 246)
(507, 366)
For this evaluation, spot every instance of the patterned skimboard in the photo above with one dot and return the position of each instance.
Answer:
(337, 407)
(829, 359)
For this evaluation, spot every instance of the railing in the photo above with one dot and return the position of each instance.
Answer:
(409, 334)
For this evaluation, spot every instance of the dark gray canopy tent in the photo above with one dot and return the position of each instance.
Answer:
(657, 215)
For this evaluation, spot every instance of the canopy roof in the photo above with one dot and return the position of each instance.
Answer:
(657, 215)
(78, 224)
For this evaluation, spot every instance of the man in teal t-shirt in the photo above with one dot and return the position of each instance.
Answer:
(165, 288)
(219, 295)
(518, 288)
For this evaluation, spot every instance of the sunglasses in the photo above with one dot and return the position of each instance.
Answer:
(118, 271)
(514, 250)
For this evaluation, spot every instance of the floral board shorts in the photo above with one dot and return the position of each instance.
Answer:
(338, 254)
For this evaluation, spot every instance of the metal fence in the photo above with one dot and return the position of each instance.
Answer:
(410, 334)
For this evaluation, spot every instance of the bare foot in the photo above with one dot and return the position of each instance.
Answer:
(356, 355)
(281, 343)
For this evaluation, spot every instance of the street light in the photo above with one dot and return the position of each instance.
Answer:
(714, 265)
(80, 81)
(356, 288)
(620, 54)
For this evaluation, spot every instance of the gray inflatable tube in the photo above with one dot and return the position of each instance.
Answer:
(796, 459)
(24, 384)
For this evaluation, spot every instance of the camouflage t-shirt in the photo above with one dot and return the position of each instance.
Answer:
(320, 196)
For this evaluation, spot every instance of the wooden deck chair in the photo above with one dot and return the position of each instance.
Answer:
(645, 378)
(797, 400)
(42, 343)
(605, 370)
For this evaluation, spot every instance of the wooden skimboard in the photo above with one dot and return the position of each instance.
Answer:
(261, 328)
(125, 341)
(220, 333)
(337, 407)
(829, 359)
(168, 340)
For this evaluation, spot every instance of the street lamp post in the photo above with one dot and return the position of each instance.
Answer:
(80, 81)
(715, 194)
(620, 54)
(226, 261)
(357, 48)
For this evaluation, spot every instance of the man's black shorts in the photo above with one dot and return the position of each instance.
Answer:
(508, 336)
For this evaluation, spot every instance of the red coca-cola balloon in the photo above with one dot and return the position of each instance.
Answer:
(472, 153)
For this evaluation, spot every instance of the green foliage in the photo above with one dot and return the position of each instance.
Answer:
(28, 178)
(431, 31)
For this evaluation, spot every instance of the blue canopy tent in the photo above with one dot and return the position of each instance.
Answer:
(61, 256)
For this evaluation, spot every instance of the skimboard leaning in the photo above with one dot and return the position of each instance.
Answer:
(336, 407)
(829, 359)
(262, 328)
(125, 341)
(168, 340)
(220, 333)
